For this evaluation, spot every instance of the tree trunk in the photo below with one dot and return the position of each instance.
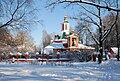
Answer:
(100, 47)
(117, 42)
(100, 41)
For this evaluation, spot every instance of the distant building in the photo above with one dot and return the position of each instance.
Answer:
(68, 40)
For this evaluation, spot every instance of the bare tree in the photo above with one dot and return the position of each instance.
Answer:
(95, 3)
(24, 42)
(5, 38)
(81, 29)
(114, 36)
(46, 38)
(17, 13)
(95, 9)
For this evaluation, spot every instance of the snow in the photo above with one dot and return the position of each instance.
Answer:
(66, 71)
(115, 50)
(55, 45)
(49, 49)
(82, 46)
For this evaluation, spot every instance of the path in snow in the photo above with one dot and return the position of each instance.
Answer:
(86, 71)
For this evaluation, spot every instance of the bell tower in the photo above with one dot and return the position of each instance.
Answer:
(65, 26)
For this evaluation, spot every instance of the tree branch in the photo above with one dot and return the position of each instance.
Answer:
(13, 14)
(86, 2)
(92, 35)
(109, 30)
(89, 11)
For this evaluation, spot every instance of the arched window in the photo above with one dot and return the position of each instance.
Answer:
(65, 26)
(62, 27)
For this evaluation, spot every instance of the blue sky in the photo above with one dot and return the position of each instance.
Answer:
(51, 20)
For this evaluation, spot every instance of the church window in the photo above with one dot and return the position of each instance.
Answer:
(65, 26)
(73, 41)
(62, 27)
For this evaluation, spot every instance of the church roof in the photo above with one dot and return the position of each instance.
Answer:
(66, 21)
(55, 45)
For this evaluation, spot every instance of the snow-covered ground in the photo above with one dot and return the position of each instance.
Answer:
(82, 71)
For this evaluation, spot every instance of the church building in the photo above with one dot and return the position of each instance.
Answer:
(67, 40)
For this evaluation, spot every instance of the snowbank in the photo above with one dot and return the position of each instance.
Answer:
(85, 71)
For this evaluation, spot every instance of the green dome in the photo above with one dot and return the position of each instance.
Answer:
(64, 35)
(66, 21)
